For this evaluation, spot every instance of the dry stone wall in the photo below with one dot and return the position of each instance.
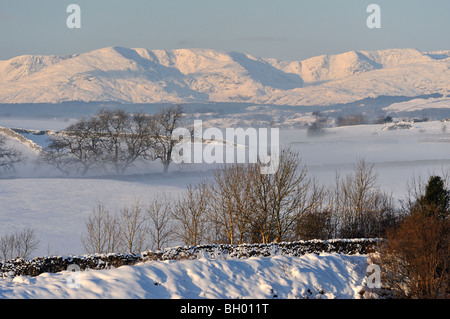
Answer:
(54, 264)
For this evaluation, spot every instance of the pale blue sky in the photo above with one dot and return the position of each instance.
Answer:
(284, 29)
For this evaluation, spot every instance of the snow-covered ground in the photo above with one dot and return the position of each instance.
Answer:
(419, 105)
(57, 208)
(326, 275)
(284, 94)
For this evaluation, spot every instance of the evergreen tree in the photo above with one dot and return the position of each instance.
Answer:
(436, 200)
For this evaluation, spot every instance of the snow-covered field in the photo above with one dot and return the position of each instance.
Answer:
(328, 276)
(57, 207)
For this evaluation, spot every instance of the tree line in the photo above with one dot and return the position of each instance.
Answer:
(241, 205)
(113, 141)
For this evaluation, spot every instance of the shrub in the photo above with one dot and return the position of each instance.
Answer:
(414, 259)
(353, 119)
(18, 245)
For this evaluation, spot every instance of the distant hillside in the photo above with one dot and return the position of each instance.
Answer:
(123, 75)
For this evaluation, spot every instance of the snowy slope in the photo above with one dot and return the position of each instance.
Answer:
(333, 276)
(418, 105)
(14, 139)
(201, 75)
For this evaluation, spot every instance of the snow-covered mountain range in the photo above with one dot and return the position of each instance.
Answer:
(199, 75)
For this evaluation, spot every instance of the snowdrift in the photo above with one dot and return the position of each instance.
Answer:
(324, 276)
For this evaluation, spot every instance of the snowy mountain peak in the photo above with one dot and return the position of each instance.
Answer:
(22, 66)
(138, 75)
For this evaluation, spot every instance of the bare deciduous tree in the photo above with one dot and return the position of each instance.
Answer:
(230, 202)
(255, 207)
(191, 212)
(115, 139)
(133, 228)
(161, 228)
(103, 234)
(9, 156)
(109, 139)
(163, 125)
(18, 245)
(279, 199)
(123, 137)
(316, 221)
(76, 148)
(359, 204)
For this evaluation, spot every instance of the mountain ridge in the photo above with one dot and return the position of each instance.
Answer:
(139, 75)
